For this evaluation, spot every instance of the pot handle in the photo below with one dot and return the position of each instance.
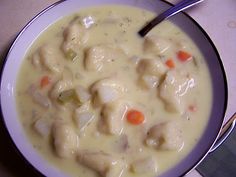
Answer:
(225, 132)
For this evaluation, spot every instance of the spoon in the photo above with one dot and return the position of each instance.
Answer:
(182, 5)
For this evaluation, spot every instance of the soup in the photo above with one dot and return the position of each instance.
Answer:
(95, 99)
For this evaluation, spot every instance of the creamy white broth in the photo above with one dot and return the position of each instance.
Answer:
(115, 27)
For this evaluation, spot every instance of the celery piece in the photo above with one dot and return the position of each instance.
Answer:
(70, 54)
(66, 95)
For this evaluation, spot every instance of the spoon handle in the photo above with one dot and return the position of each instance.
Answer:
(182, 5)
(225, 132)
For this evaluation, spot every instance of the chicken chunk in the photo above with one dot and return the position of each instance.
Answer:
(97, 56)
(156, 44)
(166, 136)
(65, 140)
(49, 58)
(112, 117)
(107, 90)
(144, 165)
(173, 88)
(102, 163)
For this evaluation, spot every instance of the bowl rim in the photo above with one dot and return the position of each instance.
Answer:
(205, 34)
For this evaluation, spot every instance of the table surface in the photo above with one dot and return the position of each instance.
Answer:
(217, 17)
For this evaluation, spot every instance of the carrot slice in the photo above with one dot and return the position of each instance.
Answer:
(183, 56)
(44, 81)
(135, 117)
(170, 63)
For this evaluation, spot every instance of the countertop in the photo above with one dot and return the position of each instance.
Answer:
(217, 17)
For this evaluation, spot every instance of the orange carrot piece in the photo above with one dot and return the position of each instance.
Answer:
(135, 117)
(44, 81)
(183, 56)
(170, 63)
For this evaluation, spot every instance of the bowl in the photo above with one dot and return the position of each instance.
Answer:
(62, 8)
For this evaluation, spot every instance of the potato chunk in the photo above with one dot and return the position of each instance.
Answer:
(144, 165)
(38, 97)
(50, 58)
(107, 90)
(97, 56)
(166, 136)
(152, 67)
(65, 140)
(173, 88)
(148, 81)
(156, 44)
(102, 163)
(151, 71)
(112, 117)
(42, 127)
(82, 93)
(83, 116)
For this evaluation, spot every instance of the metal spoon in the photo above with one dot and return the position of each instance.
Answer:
(182, 5)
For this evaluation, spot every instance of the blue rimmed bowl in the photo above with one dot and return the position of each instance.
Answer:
(63, 8)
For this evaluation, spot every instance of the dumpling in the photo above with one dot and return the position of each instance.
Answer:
(50, 59)
(97, 56)
(146, 165)
(166, 136)
(104, 164)
(173, 88)
(65, 140)
(60, 86)
(156, 44)
(112, 117)
(74, 36)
